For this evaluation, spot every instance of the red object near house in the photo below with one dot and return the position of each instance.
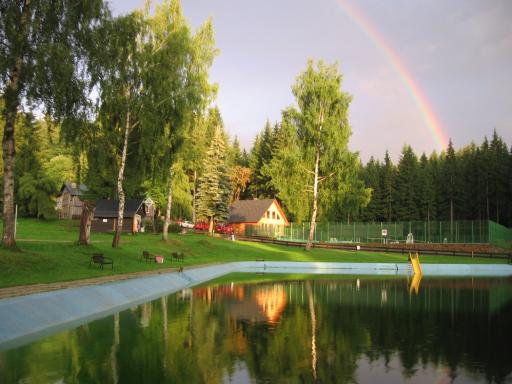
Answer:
(224, 228)
(199, 226)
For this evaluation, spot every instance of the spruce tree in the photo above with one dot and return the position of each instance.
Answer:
(426, 190)
(371, 176)
(214, 185)
(406, 197)
(387, 179)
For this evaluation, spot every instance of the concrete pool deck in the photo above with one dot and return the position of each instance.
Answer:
(27, 318)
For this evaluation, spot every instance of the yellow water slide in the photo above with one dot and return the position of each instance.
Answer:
(416, 279)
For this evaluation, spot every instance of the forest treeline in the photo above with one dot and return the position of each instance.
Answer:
(125, 105)
(473, 182)
(470, 183)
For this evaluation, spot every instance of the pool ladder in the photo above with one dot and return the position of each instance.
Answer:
(414, 261)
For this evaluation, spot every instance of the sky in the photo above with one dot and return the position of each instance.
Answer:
(420, 72)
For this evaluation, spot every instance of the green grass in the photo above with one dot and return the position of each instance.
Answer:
(48, 253)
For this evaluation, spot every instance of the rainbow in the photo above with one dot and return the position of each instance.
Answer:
(394, 60)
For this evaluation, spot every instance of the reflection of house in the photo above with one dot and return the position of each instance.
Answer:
(272, 300)
(266, 212)
(135, 210)
(69, 203)
(263, 304)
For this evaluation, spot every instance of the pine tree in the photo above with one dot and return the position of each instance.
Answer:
(34, 187)
(406, 196)
(449, 186)
(427, 196)
(498, 173)
(261, 185)
(214, 185)
(387, 179)
(371, 176)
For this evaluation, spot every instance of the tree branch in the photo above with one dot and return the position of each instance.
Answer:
(322, 178)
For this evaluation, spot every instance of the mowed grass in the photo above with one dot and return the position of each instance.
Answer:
(48, 253)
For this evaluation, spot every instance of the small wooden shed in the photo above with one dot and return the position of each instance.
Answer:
(256, 212)
(135, 210)
(69, 202)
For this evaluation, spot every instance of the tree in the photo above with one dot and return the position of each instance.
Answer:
(213, 192)
(240, 177)
(323, 131)
(406, 186)
(450, 187)
(388, 180)
(261, 186)
(426, 189)
(498, 173)
(371, 176)
(286, 170)
(121, 95)
(45, 51)
(34, 187)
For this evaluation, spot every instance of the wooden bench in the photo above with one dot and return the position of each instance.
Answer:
(146, 256)
(98, 258)
(178, 256)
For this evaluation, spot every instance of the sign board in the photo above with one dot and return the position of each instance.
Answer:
(384, 232)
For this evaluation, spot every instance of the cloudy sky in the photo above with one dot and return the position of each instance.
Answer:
(407, 64)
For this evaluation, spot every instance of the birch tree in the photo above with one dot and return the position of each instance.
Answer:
(323, 131)
(121, 96)
(45, 50)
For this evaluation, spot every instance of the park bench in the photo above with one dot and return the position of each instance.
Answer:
(178, 256)
(98, 258)
(146, 256)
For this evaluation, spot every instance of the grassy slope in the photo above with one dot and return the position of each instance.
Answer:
(48, 253)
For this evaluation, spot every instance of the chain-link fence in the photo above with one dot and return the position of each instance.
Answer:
(461, 231)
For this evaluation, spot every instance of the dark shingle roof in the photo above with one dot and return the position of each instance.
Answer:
(248, 211)
(73, 189)
(108, 208)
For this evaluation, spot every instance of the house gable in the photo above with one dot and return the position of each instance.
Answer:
(256, 212)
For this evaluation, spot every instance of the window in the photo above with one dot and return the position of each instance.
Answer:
(268, 214)
(277, 215)
(273, 215)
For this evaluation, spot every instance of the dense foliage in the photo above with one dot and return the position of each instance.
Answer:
(154, 131)
(474, 182)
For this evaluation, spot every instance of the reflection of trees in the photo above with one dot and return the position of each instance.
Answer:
(196, 339)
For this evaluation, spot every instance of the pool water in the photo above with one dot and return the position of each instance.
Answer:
(254, 329)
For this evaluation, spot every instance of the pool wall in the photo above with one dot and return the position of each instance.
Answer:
(26, 318)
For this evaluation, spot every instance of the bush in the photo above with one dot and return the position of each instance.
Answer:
(173, 227)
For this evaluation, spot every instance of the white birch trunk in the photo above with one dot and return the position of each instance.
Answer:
(167, 220)
(194, 198)
(315, 203)
(120, 179)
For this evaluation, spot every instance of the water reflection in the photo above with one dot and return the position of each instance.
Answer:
(329, 331)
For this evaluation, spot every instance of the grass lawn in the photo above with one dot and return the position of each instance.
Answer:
(47, 253)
